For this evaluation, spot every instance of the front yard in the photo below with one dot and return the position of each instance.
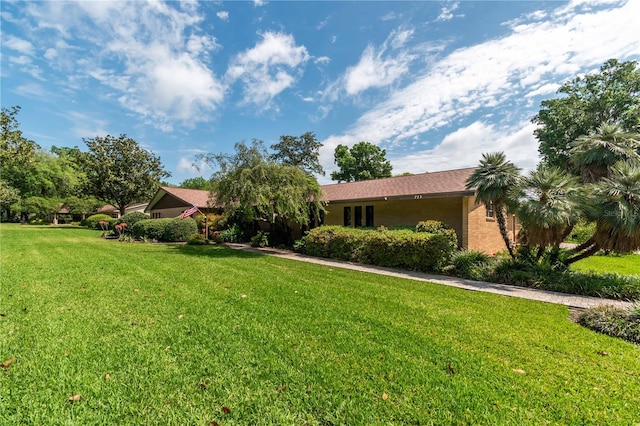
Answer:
(175, 334)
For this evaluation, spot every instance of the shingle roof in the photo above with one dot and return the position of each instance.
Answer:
(445, 183)
(196, 197)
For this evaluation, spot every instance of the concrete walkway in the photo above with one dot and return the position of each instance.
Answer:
(571, 300)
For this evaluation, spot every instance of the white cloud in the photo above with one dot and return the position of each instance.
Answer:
(446, 13)
(19, 45)
(258, 3)
(323, 60)
(223, 15)
(268, 68)
(490, 78)
(153, 54)
(192, 168)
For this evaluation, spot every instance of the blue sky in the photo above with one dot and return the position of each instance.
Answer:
(435, 83)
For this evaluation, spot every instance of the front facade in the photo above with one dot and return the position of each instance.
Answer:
(171, 202)
(407, 200)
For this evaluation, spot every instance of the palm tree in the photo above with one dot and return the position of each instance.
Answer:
(594, 154)
(615, 207)
(548, 208)
(494, 180)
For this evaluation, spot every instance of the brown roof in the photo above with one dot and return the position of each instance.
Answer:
(435, 184)
(195, 197)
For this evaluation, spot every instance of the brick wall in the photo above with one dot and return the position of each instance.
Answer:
(481, 232)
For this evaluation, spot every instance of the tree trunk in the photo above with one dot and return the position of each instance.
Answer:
(584, 246)
(502, 224)
(586, 253)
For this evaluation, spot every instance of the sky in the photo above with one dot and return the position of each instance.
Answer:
(434, 83)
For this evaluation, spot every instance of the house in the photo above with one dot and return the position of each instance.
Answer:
(396, 201)
(113, 211)
(171, 202)
(406, 200)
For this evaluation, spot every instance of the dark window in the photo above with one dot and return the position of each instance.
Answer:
(358, 217)
(490, 212)
(369, 219)
(321, 219)
(347, 216)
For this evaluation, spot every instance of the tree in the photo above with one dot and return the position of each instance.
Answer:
(363, 161)
(494, 182)
(595, 154)
(251, 185)
(120, 172)
(302, 151)
(548, 206)
(611, 95)
(195, 183)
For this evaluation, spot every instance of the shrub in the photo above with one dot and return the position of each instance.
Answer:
(474, 265)
(261, 239)
(432, 226)
(401, 249)
(616, 322)
(151, 229)
(131, 219)
(235, 234)
(93, 221)
(581, 232)
(197, 240)
(179, 230)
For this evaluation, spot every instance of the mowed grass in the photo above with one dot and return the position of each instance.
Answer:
(201, 335)
(625, 265)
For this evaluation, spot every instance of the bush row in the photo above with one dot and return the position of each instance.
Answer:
(399, 249)
(479, 266)
(167, 230)
(93, 221)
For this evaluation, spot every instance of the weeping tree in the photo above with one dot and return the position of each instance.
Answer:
(494, 181)
(252, 185)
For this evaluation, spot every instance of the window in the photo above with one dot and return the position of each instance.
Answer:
(321, 219)
(369, 217)
(490, 212)
(358, 219)
(347, 216)
(156, 215)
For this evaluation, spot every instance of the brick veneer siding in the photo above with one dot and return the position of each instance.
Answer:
(475, 231)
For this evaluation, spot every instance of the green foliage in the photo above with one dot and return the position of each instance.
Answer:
(132, 218)
(432, 227)
(474, 265)
(120, 172)
(261, 239)
(197, 240)
(251, 186)
(235, 234)
(363, 161)
(302, 152)
(196, 183)
(613, 321)
(611, 95)
(581, 232)
(40, 206)
(150, 229)
(544, 276)
(93, 221)
(179, 230)
(399, 249)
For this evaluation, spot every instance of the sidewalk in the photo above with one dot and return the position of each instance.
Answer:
(570, 300)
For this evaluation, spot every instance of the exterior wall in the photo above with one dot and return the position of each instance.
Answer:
(481, 232)
(168, 212)
(403, 212)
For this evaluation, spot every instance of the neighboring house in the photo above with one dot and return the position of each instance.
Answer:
(171, 202)
(406, 200)
(115, 212)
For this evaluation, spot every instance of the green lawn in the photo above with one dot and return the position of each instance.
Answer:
(200, 335)
(626, 265)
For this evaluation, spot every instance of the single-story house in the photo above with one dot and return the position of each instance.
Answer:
(395, 201)
(406, 200)
(171, 202)
(115, 212)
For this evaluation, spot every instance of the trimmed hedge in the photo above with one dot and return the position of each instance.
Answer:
(93, 221)
(398, 249)
(167, 229)
(132, 218)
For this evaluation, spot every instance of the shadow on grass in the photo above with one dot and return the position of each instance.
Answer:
(212, 251)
